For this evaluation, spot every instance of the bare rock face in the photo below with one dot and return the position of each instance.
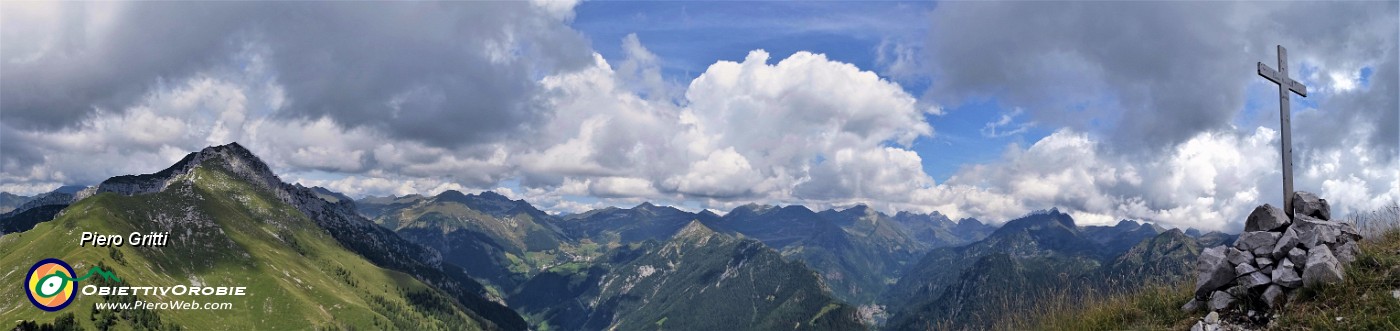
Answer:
(1212, 271)
(1322, 267)
(1266, 218)
(1305, 203)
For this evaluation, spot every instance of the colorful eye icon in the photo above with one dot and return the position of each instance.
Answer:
(47, 285)
(51, 285)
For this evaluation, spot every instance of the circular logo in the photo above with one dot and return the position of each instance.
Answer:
(48, 284)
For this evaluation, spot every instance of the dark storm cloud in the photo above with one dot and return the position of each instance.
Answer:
(1149, 74)
(54, 77)
(446, 74)
(1371, 110)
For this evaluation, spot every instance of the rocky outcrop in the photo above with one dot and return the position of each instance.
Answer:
(1214, 270)
(1306, 203)
(1266, 218)
(1275, 255)
(62, 196)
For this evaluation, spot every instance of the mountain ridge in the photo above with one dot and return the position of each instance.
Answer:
(229, 224)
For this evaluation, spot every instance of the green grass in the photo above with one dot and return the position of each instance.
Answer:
(1154, 307)
(1363, 301)
(297, 276)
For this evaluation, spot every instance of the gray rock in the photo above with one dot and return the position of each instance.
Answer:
(1286, 277)
(1236, 256)
(1266, 218)
(1267, 270)
(1286, 264)
(1244, 269)
(1322, 267)
(1298, 256)
(1212, 318)
(1192, 306)
(1306, 239)
(1255, 279)
(1257, 242)
(1272, 296)
(1306, 203)
(1286, 241)
(1219, 300)
(1313, 232)
(1212, 271)
(1347, 252)
(1263, 261)
(1349, 232)
(1200, 326)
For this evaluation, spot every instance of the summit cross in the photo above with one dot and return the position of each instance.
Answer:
(1285, 85)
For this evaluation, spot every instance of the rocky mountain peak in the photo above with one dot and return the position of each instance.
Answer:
(451, 195)
(70, 189)
(708, 214)
(1040, 220)
(694, 230)
(233, 157)
(492, 195)
(968, 221)
(751, 209)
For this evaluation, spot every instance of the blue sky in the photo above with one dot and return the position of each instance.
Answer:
(689, 36)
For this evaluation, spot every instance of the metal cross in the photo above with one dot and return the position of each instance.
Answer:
(1285, 85)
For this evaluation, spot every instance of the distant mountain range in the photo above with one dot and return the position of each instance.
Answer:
(484, 261)
(1031, 258)
(857, 252)
(698, 279)
(9, 201)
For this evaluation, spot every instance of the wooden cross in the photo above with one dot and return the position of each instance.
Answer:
(1285, 85)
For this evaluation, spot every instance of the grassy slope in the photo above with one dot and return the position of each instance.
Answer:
(1364, 301)
(297, 276)
(503, 251)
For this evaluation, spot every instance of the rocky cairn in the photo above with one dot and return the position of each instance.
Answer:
(1275, 256)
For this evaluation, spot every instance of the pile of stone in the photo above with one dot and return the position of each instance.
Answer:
(1274, 256)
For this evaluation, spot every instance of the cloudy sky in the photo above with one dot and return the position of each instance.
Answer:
(1141, 110)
